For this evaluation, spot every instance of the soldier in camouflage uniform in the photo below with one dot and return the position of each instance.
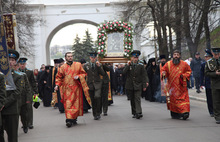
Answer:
(212, 70)
(34, 90)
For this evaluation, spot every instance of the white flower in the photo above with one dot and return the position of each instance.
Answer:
(129, 31)
(100, 25)
(115, 25)
(119, 21)
(126, 46)
(102, 46)
(100, 40)
(127, 55)
(99, 50)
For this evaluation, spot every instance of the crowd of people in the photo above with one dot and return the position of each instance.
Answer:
(74, 87)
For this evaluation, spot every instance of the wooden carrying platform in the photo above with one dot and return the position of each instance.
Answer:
(113, 60)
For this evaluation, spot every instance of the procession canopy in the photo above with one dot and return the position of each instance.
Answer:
(115, 41)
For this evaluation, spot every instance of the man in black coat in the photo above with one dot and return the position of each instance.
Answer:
(195, 67)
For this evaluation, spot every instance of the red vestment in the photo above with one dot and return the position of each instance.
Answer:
(71, 89)
(177, 76)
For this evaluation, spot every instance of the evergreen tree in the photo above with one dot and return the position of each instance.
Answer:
(77, 46)
(87, 45)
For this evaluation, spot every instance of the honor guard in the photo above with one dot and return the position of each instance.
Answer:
(10, 111)
(136, 81)
(212, 70)
(25, 99)
(33, 85)
(94, 82)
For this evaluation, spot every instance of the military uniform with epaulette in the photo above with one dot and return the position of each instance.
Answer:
(136, 80)
(211, 67)
(10, 111)
(34, 90)
(94, 83)
(2, 95)
(24, 101)
(105, 89)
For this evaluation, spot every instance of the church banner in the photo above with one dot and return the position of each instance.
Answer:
(4, 64)
(11, 30)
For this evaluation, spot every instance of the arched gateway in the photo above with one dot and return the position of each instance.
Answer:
(57, 15)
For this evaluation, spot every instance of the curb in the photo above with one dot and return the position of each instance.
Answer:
(198, 99)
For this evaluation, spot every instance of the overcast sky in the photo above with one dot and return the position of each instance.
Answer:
(67, 35)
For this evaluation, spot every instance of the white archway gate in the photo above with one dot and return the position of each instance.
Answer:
(57, 16)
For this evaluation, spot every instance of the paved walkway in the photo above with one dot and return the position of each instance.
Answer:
(197, 96)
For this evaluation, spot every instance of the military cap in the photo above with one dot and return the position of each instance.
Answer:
(22, 60)
(208, 53)
(13, 54)
(135, 53)
(93, 54)
(56, 61)
(216, 49)
(162, 56)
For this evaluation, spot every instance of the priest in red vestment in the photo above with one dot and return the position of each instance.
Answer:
(178, 73)
(71, 80)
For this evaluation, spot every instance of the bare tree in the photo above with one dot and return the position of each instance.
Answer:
(25, 23)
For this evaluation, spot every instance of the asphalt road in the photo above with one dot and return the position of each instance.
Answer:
(119, 126)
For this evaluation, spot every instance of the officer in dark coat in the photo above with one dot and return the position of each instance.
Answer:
(33, 85)
(206, 83)
(212, 70)
(94, 82)
(10, 111)
(2, 95)
(25, 99)
(136, 81)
